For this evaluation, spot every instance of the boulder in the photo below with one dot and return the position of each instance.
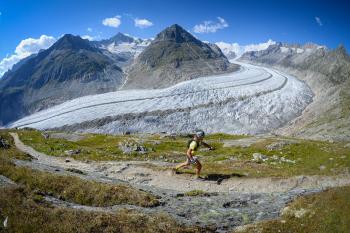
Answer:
(129, 147)
(4, 144)
(257, 157)
(72, 152)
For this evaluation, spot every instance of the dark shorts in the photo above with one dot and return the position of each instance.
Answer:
(192, 161)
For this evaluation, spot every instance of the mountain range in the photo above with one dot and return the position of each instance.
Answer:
(73, 67)
(70, 68)
(327, 72)
(174, 56)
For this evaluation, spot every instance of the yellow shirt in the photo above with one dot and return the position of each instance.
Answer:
(193, 146)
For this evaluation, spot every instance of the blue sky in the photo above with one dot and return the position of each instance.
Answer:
(244, 22)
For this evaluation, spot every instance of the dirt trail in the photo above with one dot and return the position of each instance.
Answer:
(137, 173)
(235, 202)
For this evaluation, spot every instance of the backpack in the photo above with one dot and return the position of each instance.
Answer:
(189, 143)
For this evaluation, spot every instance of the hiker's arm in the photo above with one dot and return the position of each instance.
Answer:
(189, 153)
(208, 146)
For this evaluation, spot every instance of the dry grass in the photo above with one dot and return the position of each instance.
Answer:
(27, 213)
(75, 189)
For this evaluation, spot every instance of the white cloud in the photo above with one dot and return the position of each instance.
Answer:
(227, 47)
(240, 49)
(24, 49)
(112, 22)
(142, 23)
(87, 37)
(210, 26)
(318, 21)
(89, 29)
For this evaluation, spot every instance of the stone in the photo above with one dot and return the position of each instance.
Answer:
(45, 135)
(129, 146)
(72, 152)
(300, 212)
(277, 145)
(235, 204)
(74, 170)
(257, 157)
(322, 167)
(282, 159)
(3, 143)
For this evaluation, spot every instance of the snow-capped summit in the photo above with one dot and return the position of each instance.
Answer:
(232, 50)
(124, 44)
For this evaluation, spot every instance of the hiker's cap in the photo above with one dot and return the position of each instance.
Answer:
(200, 133)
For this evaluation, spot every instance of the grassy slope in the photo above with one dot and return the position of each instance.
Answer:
(324, 212)
(28, 213)
(68, 187)
(309, 155)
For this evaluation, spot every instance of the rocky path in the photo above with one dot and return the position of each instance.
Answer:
(234, 202)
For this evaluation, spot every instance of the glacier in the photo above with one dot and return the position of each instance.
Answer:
(253, 100)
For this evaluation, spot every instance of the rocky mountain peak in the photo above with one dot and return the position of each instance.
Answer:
(121, 38)
(71, 42)
(175, 33)
(341, 50)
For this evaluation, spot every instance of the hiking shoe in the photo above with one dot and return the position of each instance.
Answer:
(219, 181)
(200, 178)
(174, 171)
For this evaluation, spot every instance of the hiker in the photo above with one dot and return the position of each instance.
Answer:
(192, 146)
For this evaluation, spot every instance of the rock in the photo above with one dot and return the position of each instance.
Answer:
(277, 145)
(322, 167)
(72, 152)
(74, 170)
(129, 147)
(235, 204)
(282, 159)
(45, 135)
(330, 140)
(347, 145)
(67, 160)
(5, 222)
(300, 213)
(257, 157)
(3, 143)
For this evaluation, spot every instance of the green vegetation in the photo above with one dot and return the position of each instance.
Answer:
(296, 157)
(28, 213)
(12, 152)
(323, 212)
(196, 192)
(69, 187)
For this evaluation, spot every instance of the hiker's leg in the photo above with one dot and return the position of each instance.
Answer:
(199, 168)
(181, 165)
